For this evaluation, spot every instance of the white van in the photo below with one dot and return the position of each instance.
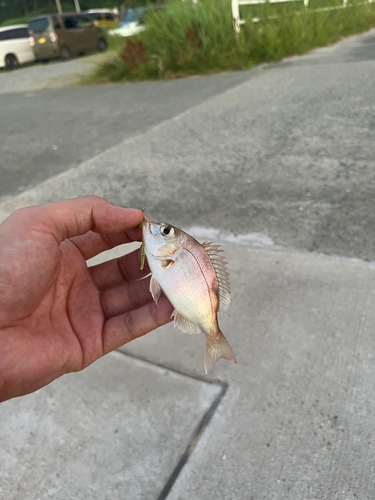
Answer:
(15, 48)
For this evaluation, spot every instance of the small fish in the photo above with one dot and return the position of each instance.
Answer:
(195, 280)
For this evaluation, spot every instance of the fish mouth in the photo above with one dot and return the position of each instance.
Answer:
(151, 227)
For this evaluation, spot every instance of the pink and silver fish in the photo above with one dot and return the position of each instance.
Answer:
(195, 280)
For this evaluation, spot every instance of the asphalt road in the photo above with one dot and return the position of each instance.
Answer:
(47, 132)
(285, 150)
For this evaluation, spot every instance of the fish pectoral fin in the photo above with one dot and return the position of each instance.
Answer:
(155, 289)
(167, 263)
(184, 324)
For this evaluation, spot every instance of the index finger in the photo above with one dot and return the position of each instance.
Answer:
(75, 217)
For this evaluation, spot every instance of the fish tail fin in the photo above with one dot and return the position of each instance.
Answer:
(217, 347)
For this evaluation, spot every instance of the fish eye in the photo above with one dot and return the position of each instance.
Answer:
(167, 231)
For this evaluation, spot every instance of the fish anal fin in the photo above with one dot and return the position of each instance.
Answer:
(220, 267)
(217, 347)
(184, 324)
(155, 289)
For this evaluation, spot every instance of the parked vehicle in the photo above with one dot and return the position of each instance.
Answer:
(104, 18)
(131, 24)
(55, 35)
(14, 46)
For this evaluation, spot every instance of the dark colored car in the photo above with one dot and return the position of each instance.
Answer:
(62, 35)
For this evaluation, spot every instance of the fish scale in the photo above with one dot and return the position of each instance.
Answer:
(195, 301)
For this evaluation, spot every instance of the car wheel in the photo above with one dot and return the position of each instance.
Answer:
(11, 61)
(65, 53)
(101, 45)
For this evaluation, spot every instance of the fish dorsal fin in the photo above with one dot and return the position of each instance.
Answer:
(222, 275)
(184, 324)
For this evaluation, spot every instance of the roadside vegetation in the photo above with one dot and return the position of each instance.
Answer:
(183, 40)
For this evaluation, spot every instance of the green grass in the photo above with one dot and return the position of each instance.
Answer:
(183, 40)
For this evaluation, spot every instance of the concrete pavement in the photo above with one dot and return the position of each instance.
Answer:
(296, 421)
(115, 432)
(294, 418)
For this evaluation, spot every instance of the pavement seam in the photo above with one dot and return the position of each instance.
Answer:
(194, 376)
(199, 429)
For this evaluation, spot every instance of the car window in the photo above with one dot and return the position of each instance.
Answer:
(70, 23)
(83, 22)
(4, 35)
(38, 25)
(56, 22)
(95, 16)
(14, 33)
(22, 33)
(132, 16)
(109, 16)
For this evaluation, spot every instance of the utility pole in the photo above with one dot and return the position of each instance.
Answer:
(58, 5)
(76, 3)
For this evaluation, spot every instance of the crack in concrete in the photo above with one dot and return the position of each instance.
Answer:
(201, 426)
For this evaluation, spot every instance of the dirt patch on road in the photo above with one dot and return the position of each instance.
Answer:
(55, 74)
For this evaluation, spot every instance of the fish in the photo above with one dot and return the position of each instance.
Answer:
(194, 278)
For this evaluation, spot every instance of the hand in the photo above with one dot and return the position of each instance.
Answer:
(56, 314)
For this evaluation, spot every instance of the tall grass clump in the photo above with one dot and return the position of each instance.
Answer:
(183, 40)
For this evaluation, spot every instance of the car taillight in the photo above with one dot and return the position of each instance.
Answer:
(53, 37)
(31, 41)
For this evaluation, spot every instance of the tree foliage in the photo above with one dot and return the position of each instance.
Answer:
(19, 9)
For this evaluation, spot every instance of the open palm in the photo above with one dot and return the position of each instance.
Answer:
(56, 314)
